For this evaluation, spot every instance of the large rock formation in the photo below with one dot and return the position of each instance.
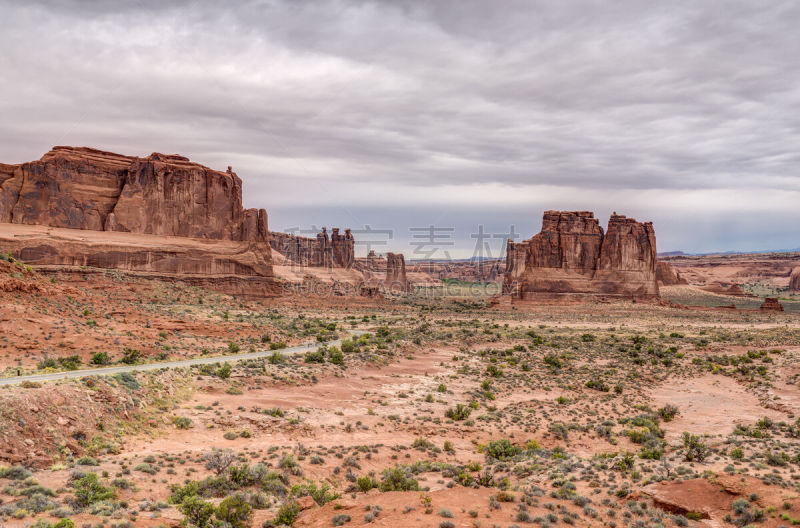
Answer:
(396, 280)
(336, 251)
(771, 304)
(159, 214)
(572, 255)
(794, 280)
(666, 275)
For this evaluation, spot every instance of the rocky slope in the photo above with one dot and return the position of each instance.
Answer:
(794, 280)
(572, 255)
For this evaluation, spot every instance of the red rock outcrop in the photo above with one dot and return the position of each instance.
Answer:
(336, 251)
(733, 290)
(167, 205)
(572, 255)
(794, 280)
(771, 304)
(666, 275)
(396, 280)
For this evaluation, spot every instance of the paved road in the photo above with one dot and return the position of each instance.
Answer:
(206, 360)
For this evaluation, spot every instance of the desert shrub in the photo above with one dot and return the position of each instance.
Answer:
(668, 412)
(89, 490)
(340, 519)
(197, 512)
(502, 449)
(459, 412)
(398, 479)
(70, 362)
(317, 356)
(286, 514)
(234, 511)
(321, 494)
(130, 356)
(335, 356)
(696, 449)
(127, 380)
(14, 473)
(365, 483)
(101, 358)
(224, 372)
(182, 422)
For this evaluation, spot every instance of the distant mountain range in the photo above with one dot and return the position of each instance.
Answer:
(683, 253)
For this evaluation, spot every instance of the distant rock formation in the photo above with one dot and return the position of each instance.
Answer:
(666, 275)
(771, 304)
(146, 209)
(396, 280)
(572, 255)
(734, 290)
(794, 280)
(334, 251)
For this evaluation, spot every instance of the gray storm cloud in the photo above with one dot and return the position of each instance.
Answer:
(393, 113)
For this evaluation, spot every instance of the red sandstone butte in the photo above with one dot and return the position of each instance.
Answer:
(794, 280)
(336, 251)
(396, 280)
(666, 275)
(771, 304)
(573, 255)
(161, 214)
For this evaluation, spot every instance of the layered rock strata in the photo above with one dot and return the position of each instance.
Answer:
(794, 280)
(666, 275)
(334, 251)
(396, 279)
(573, 255)
(161, 214)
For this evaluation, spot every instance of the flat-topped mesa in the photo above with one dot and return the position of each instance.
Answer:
(794, 280)
(572, 255)
(334, 251)
(84, 188)
(79, 188)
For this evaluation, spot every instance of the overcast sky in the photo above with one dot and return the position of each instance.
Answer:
(405, 114)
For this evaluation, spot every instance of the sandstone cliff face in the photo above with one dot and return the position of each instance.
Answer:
(666, 275)
(572, 255)
(334, 251)
(158, 196)
(794, 280)
(396, 279)
(83, 188)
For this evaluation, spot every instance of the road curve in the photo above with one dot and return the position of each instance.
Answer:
(208, 360)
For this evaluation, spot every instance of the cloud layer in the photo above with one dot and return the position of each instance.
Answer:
(456, 113)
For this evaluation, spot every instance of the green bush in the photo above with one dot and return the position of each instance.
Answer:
(502, 449)
(317, 356)
(197, 512)
(398, 479)
(89, 490)
(335, 356)
(458, 413)
(235, 512)
(286, 514)
(101, 358)
(696, 449)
